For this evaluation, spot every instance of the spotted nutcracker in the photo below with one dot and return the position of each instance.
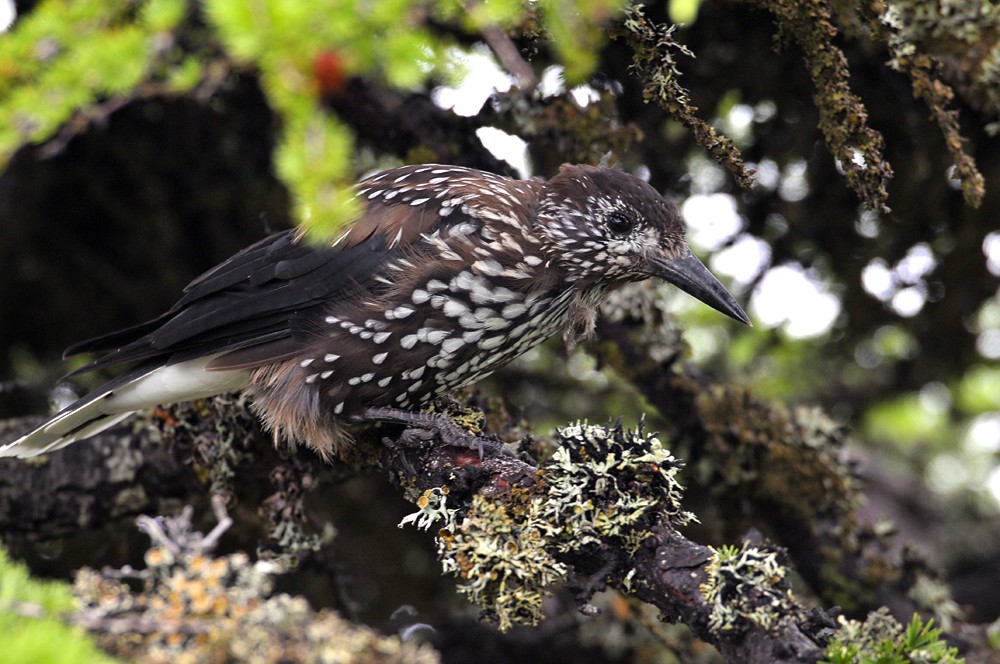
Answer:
(448, 274)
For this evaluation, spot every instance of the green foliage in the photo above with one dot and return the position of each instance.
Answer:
(284, 42)
(16, 586)
(882, 640)
(65, 58)
(979, 390)
(575, 27)
(67, 55)
(906, 419)
(778, 367)
(42, 639)
(914, 417)
(684, 12)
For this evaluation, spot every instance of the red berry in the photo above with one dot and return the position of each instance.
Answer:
(328, 70)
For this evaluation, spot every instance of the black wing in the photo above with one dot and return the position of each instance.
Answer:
(260, 305)
(259, 302)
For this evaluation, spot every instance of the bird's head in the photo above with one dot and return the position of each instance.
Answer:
(605, 225)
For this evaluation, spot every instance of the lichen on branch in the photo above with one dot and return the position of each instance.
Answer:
(603, 484)
(843, 118)
(654, 60)
(908, 29)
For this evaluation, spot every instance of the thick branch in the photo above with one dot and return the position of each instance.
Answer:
(667, 570)
(781, 470)
(121, 473)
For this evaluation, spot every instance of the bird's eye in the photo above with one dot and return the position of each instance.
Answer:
(619, 223)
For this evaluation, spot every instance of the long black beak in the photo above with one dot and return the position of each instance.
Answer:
(691, 276)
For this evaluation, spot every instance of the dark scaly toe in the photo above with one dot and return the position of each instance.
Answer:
(447, 431)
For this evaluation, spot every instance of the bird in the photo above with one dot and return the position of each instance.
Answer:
(445, 274)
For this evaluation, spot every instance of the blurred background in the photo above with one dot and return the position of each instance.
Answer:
(142, 144)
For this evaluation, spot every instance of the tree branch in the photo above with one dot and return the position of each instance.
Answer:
(688, 582)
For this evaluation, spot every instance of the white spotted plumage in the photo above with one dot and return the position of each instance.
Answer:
(448, 274)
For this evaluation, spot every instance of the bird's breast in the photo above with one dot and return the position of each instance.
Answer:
(427, 341)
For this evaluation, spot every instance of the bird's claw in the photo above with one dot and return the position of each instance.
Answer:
(446, 429)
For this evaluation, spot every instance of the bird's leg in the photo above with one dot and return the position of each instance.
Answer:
(446, 428)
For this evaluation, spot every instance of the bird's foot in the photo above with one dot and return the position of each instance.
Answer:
(444, 426)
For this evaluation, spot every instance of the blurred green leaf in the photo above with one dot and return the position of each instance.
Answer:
(163, 14)
(905, 420)
(979, 390)
(40, 640)
(684, 11)
(65, 56)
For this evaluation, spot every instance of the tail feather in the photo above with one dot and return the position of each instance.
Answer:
(86, 417)
(42, 441)
(143, 387)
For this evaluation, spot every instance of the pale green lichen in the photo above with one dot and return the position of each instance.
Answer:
(433, 509)
(843, 118)
(934, 595)
(746, 585)
(497, 550)
(911, 30)
(218, 431)
(655, 53)
(881, 638)
(593, 480)
(604, 484)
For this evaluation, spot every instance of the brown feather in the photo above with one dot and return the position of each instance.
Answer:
(292, 411)
(402, 223)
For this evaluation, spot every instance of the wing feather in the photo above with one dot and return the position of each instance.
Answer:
(262, 304)
(261, 297)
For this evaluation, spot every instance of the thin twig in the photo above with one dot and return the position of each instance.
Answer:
(510, 57)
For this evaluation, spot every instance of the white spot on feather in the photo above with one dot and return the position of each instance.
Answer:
(452, 345)
(395, 240)
(454, 308)
(402, 311)
(513, 310)
(472, 337)
(491, 343)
